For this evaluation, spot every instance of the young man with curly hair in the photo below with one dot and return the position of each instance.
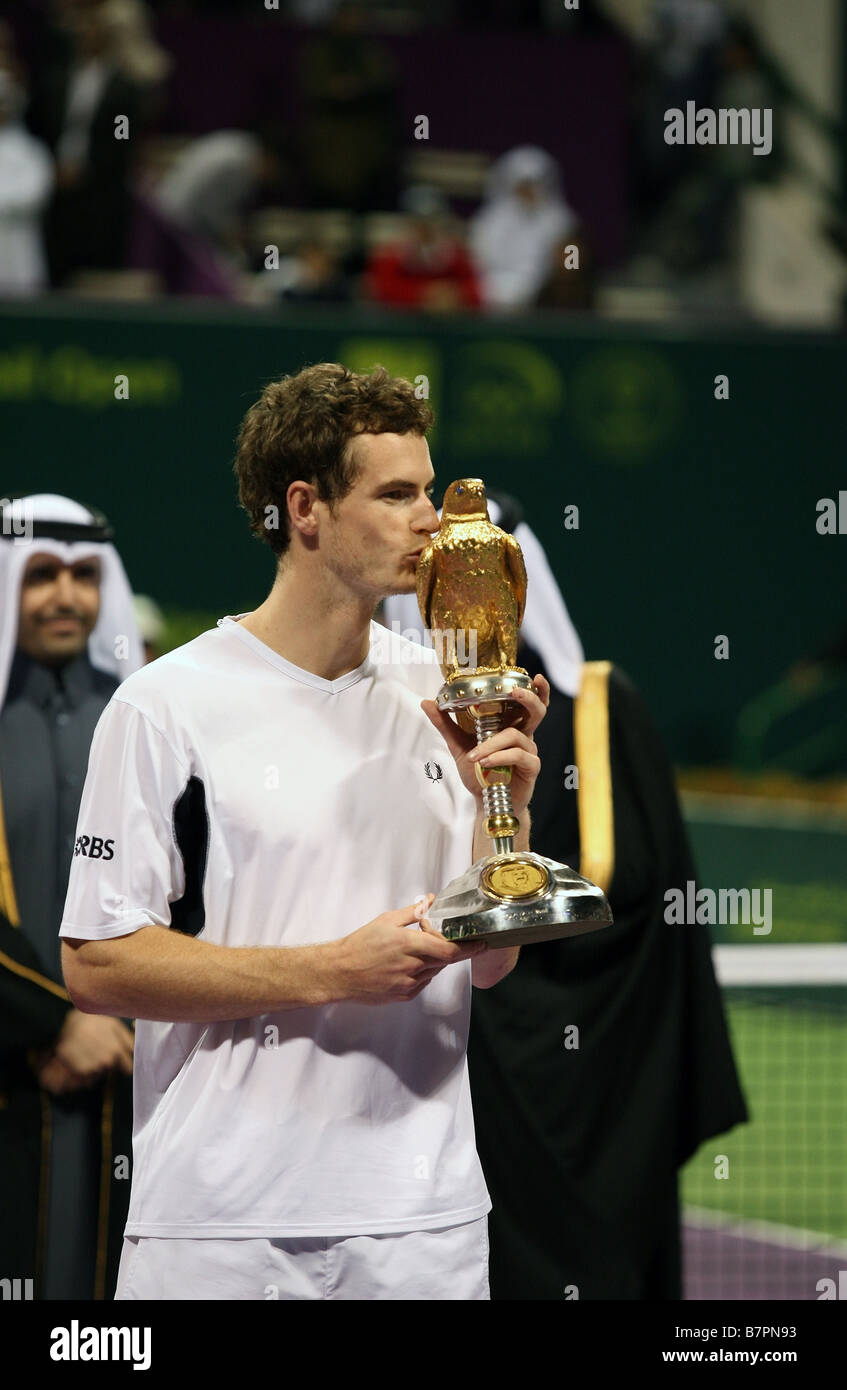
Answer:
(303, 1126)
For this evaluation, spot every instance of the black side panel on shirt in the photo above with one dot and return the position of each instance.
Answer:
(191, 831)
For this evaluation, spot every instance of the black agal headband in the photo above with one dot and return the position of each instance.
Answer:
(97, 529)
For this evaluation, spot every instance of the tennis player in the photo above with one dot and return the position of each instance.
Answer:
(263, 798)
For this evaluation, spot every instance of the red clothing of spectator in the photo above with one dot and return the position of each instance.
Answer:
(405, 275)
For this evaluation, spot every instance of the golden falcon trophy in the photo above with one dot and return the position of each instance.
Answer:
(471, 584)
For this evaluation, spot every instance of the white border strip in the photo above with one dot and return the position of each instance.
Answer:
(782, 813)
(799, 964)
(768, 1232)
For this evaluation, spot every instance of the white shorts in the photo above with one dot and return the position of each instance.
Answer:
(447, 1264)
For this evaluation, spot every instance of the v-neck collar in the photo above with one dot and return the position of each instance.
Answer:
(288, 668)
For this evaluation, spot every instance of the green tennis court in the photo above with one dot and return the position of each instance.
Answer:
(766, 1204)
(789, 1164)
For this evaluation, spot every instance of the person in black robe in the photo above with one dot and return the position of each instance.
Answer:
(581, 1145)
(602, 1061)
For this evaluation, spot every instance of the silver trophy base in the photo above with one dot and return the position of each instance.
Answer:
(565, 904)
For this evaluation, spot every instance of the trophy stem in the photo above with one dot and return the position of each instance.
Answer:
(496, 800)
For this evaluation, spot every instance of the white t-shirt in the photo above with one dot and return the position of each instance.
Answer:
(326, 803)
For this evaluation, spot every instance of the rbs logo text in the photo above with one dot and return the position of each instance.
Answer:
(94, 847)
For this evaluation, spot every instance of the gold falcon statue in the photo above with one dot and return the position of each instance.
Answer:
(471, 582)
(470, 577)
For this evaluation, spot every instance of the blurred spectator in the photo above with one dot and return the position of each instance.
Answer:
(90, 106)
(698, 227)
(680, 64)
(430, 267)
(26, 178)
(313, 276)
(744, 82)
(523, 220)
(571, 283)
(135, 50)
(9, 60)
(683, 36)
(351, 133)
(214, 181)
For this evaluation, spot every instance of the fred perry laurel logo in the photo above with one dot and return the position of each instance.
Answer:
(437, 775)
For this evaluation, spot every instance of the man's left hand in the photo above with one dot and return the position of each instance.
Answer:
(512, 747)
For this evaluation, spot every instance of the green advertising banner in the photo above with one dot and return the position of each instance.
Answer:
(674, 480)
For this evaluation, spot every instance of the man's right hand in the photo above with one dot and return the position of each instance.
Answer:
(91, 1044)
(385, 962)
(54, 1076)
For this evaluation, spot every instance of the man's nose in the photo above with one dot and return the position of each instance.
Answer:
(431, 522)
(64, 589)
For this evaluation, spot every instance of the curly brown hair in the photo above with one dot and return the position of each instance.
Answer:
(303, 426)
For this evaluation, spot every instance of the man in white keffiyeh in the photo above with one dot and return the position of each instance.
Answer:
(68, 637)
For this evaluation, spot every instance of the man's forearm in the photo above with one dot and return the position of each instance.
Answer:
(158, 973)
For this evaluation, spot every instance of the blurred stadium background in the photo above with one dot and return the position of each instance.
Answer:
(338, 225)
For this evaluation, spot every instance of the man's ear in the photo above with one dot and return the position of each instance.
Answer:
(300, 499)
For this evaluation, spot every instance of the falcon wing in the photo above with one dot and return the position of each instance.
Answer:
(426, 583)
(516, 570)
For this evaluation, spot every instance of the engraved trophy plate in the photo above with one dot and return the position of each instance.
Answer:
(471, 586)
(518, 880)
